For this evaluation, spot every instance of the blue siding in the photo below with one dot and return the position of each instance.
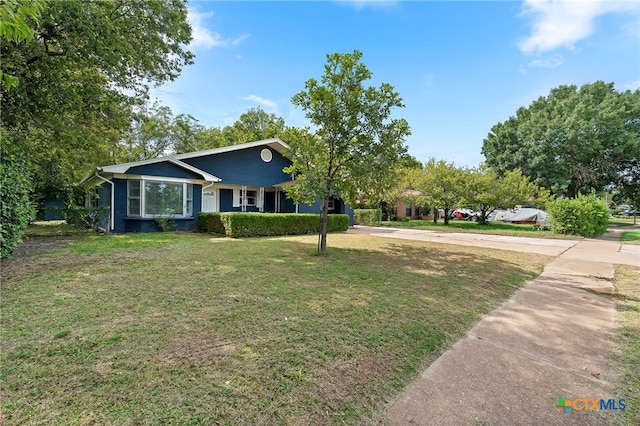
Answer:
(163, 169)
(342, 208)
(244, 167)
(120, 187)
(287, 205)
(146, 224)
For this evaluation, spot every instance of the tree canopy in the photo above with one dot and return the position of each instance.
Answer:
(81, 72)
(355, 145)
(573, 140)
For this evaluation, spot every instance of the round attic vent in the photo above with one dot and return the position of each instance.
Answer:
(266, 155)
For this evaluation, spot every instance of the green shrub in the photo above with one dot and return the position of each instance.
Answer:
(239, 225)
(165, 223)
(211, 222)
(584, 215)
(336, 223)
(84, 217)
(15, 189)
(367, 217)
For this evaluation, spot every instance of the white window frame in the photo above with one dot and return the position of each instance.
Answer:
(187, 197)
(134, 197)
(249, 197)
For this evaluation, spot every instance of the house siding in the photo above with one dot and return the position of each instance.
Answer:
(342, 208)
(164, 169)
(244, 167)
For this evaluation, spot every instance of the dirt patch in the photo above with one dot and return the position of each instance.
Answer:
(346, 378)
(27, 257)
(199, 349)
(37, 245)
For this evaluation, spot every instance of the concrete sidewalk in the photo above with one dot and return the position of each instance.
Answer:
(552, 339)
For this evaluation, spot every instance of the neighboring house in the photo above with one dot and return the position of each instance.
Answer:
(240, 178)
(406, 209)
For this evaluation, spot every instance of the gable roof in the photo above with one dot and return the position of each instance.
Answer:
(274, 143)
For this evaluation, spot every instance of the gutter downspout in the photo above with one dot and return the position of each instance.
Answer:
(112, 207)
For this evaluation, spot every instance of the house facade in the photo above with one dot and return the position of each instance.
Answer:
(240, 178)
(406, 207)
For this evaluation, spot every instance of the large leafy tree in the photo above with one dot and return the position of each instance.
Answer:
(573, 140)
(88, 65)
(355, 145)
(149, 136)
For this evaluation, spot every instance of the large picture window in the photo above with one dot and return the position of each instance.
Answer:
(159, 198)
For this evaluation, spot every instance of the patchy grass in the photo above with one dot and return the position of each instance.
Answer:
(621, 221)
(54, 228)
(173, 328)
(628, 348)
(630, 237)
(495, 228)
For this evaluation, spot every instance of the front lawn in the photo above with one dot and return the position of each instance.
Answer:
(627, 355)
(630, 237)
(173, 328)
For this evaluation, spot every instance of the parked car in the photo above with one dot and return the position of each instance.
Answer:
(463, 214)
(629, 213)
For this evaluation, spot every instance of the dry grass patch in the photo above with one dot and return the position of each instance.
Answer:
(627, 356)
(188, 329)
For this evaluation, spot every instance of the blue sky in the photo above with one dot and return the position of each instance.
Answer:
(460, 67)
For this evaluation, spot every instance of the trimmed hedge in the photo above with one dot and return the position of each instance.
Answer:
(15, 192)
(367, 217)
(584, 215)
(211, 222)
(239, 225)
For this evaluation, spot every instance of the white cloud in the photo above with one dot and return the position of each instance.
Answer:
(553, 62)
(203, 37)
(562, 23)
(262, 101)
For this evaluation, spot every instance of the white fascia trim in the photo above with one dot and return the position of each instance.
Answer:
(159, 178)
(275, 143)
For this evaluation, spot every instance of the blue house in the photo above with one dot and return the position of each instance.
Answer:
(238, 178)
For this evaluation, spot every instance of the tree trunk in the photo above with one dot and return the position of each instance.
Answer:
(436, 212)
(483, 216)
(446, 216)
(323, 226)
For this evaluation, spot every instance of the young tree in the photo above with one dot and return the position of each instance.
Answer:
(356, 144)
(487, 191)
(571, 141)
(443, 187)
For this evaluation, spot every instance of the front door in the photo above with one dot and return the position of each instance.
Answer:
(208, 201)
